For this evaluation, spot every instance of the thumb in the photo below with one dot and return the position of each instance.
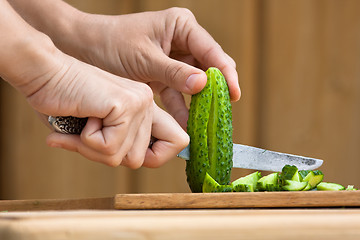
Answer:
(176, 74)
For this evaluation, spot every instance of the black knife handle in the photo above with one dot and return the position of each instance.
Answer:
(67, 125)
(74, 125)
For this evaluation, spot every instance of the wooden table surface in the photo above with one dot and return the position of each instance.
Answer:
(292, 223)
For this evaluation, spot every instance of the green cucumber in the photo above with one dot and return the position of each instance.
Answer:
(269, 182)
(350, 188)
(308, 187)
(247, 183)
(326, 186)
(291, 185)
(243, 187)
(210, 185)
(312, 177)
(289, 172)
(210, 130)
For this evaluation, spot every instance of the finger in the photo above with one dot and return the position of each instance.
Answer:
(136, 155)
(171, 139)
(73, 143)
(175, 74)
(109, 140)
(209, 54)
(105, 144)
(175, 105)
(185, 58)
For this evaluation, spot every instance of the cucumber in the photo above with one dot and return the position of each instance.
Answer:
(269, 183)
(243, 187)
(326, 186)
(210, 130)
(308, 187)
(312, 177)
(210, 185)
(304, 173)
(247, 183)
(291, 185)
(350, 188)
(289, 172)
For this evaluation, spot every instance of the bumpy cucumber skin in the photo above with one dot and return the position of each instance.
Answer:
(210, 131)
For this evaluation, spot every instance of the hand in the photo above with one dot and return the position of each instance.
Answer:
(122, 113)
(123, 117)
(167, 49)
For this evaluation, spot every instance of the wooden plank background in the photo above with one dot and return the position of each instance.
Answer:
(299, 69)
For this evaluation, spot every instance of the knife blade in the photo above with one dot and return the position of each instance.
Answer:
(244, 156)
(249, 157)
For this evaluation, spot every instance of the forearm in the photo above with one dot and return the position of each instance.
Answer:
(57, 19)
(25, 52)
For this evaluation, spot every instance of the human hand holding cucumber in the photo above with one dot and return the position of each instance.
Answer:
(162, 49)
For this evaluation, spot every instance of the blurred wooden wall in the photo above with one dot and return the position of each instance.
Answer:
(299, 69)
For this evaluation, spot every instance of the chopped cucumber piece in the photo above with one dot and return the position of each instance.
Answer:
(350, 188)
(247, 183)
(326, 186)
(312, 177)
(210, 185)
(307, 188)
(291, 185)
(304, 173)
(269, 183)
(225, 188)
(242, 187)
(289, 173)
(318, 172)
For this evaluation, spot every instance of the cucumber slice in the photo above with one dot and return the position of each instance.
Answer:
(225, 188)
(210, 185)
(350, 188)
(269, 182)
(289, 173)
(272, 187)
(291, 185)
(242, 187)
(326, 186)
(307, 188)
(312, 177)
(304, 173)
(247, 183)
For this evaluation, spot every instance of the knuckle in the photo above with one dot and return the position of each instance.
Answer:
(147, 93)
(173, 72)
(109, 149)
(182, 12)
(135, 165)
(143, 97)
(113, 161)
(133, 161)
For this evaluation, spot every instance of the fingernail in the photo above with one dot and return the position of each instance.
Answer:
(191, 81)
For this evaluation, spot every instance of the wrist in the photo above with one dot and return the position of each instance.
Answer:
(28, 62)
(57, 19)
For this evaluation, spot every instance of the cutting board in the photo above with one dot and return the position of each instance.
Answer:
(238, 200)
(194, 201)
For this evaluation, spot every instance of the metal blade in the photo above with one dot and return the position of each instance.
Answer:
(265, 160)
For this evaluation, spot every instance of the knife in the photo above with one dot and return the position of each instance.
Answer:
(243, 156)
(265, 160)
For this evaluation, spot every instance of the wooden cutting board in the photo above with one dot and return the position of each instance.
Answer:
(238, 200)
(194, 201)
